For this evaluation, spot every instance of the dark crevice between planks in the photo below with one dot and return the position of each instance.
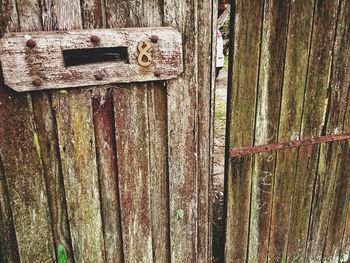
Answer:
(228, 122)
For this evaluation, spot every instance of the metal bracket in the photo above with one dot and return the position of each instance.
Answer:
(288, 144)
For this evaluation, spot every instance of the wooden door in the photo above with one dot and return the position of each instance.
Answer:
(113, 173)
(287, 163)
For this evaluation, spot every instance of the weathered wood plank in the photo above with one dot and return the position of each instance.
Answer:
(103, 115)
(205, 141)
(47, 138)
(94, 16)
(243, 79)
(165, 56)
(330, 154)
(8, 242)
(339, 208)
(238, 212)
(294, 79)
(314, 110)
(273, 48)
(85, 227)
(345, 248)
(132, 139)
(183, 136)
(73, 112)
(159, 182)
(25, 180)
(136, 14)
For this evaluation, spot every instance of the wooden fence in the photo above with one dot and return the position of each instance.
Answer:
(289, 80)
(115, 173)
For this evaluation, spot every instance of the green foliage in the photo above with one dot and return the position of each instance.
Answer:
(61, 254)
(220, 117)
(180, 213)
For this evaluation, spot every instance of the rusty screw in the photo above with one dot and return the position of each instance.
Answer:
(154, 39)
(95, 39)
(37, 82)
(31, 43)
(99, 77)
(157, 73)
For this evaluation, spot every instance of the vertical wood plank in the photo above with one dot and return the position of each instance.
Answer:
(205, 141)
(47, 137)
(182, 136)
(132, 139)
(295, 72)
(77, 148)
(330, 156)
(243, 78)
(78, 157)
(94, 16)
(139, 13)
(157, 119)
(339, 208)
(8, 242)
(273, 48)
(314, 111)
(103, 115)
(25, 179)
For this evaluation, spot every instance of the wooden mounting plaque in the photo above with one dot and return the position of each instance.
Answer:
(45, 66)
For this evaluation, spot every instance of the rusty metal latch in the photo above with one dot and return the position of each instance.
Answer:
(66, 59)
(289, 144)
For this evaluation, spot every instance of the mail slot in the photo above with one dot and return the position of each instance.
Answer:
(67, 59)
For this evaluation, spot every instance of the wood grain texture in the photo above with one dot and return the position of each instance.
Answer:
(8, 242)
(325, 196)
(183, 136)
(314, 111)
(25, 179)
(294, 79)
(103, 115)
(339, 207)
(205, 141)
(137, 14)
(166, 57)
(243, 80)
(132, 139)
(273, 48)
(47, 138)
(73, 113)
(157, 121)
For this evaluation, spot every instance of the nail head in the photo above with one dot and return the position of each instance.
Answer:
(37, 82)
(154, 39)
(157, 73)
(95, 39)
(31, 43)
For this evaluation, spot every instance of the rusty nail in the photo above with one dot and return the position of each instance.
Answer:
(154, 39)
(157, 73)
(31, 43)
(37, 82)
(95, 39)
(267, 148)
(99, 77)
(312, 140)
(290, 144)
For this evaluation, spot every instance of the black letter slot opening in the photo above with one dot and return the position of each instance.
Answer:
(76, 57)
